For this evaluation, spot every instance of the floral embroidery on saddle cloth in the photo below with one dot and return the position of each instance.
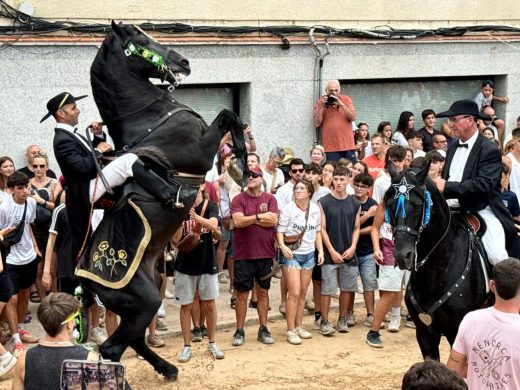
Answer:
(115, 251)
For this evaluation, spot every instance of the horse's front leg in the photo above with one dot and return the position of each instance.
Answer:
(428, 341)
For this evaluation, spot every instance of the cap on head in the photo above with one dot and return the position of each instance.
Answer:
(257, 171)
(488, 83)
(463, 107)
(59, 101)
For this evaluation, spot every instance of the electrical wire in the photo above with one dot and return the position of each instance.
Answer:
(28, 25)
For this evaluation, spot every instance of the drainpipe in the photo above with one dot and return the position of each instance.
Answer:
(318, 68)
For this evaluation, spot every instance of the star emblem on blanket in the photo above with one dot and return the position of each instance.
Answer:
(107, 255)
(403, 188)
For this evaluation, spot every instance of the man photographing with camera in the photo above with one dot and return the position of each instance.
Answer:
(334, 114)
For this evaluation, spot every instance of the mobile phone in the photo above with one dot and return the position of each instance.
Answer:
(104, 374)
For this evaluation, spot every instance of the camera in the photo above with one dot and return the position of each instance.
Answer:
(331, 99)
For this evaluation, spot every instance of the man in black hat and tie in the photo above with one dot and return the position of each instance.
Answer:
(471, 180)
(78, 166)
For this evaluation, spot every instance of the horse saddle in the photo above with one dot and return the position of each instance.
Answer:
(472, 221)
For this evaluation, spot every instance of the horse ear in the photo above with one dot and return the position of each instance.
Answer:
(117, 28)
(423, 173)
(391, 169)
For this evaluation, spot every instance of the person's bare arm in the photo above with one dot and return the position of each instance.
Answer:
(46, 278)
(458, 362)
(19, 373)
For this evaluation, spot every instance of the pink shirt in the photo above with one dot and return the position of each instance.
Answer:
(336, 129)
(254, 241)
(490, 340)
(375, 165)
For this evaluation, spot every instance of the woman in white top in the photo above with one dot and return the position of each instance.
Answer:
(405, 124)
(6, 168)
(300, 217)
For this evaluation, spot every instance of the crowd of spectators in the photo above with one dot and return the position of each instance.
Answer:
(314, 216)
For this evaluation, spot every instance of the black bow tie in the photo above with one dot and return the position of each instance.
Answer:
(75, 130)
(459, 145)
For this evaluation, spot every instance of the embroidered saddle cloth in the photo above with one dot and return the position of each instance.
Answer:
(116, 248)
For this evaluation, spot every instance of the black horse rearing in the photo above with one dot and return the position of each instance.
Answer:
(447, 277)
(136, 114)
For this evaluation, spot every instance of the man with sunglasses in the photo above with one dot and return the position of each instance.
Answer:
(471, 180)
(255, 214)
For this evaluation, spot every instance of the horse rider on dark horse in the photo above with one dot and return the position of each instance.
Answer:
(471, 180)
(78, 166)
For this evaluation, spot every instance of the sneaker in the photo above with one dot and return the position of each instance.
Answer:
(351, 318)
(309, 305)
(388, 317)
(215, 351)
(326, 329)
(204, 332)
(7, 362)
(222, 278)
(239, 338)
(281, 308)
(161, 313)
(155, 341)
(161, 326)
(303, 333)
(317, 324)
(394, 324)
(264, 336)
(185, 355)
(196, 335)
(17, 349)
(97, 335)
(370, 320)
(293, 337)
(374, 339)
(342, 325)
(409, 322)
(26, 337)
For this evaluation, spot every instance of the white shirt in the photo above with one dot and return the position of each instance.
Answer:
(292, 221)
(284, 195)
(458, 163)
(419, 153)
(268, 178)
(70, 129)
(10, 215)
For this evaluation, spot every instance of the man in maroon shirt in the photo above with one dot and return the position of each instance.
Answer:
(255, 214)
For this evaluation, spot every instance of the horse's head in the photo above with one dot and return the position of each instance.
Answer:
(153, 60)
(407, 209)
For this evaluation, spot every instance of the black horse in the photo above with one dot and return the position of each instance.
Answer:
(448, 278)
(179, 145)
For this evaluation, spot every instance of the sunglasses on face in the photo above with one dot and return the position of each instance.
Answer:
(38, 166)
(297, 170)
(253, 176)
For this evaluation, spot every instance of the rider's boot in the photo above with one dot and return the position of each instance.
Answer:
(153, 183)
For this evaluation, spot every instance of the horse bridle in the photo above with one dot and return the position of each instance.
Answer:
(425, 220)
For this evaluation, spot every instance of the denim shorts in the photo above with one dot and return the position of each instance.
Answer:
(368, 272)
(305, 261)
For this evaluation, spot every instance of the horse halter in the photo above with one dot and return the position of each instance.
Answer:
(151, 57)
(402, 194)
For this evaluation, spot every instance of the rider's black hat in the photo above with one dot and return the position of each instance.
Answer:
(464, 107)
(59, 101)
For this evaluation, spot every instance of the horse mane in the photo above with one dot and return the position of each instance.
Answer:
(107, 75)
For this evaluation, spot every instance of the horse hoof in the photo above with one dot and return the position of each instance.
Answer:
(171, 374)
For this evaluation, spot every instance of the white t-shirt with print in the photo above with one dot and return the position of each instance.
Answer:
(292, 221)
(10, 215)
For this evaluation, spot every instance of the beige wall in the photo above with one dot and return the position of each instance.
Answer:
(340, 14)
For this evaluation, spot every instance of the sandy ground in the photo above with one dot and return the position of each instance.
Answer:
(343, 361)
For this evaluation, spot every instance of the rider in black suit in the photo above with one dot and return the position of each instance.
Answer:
(78, 166)
(476, 183)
